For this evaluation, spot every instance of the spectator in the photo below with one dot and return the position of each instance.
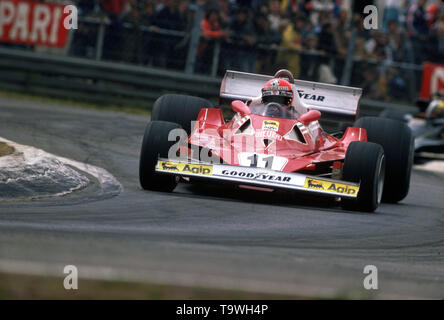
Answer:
(436, 44)
(256, 5)
(292, 43)
(397, 86)
(377, 46)
(182, 45)
(358, 24)
(274, 15)
(322, 7)
(267, 42)
(243, 38)
(397, 46)
(116, 10)
(418, 29)
(211, 31)
(310, 59)
(264, 10)
(373, 86)
(322, 19)
(292, 7)
(132, 39)
(211, 25)
(433, 12)
(224, 13)
(167, 18)
(392, 11)
(305, 7)
(85, 37)
(360, 50)
(341, 33)
(146, 20)
(88, 7)
(327, 46)
(113, 7)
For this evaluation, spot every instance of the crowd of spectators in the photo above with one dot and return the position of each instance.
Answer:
(308, 37)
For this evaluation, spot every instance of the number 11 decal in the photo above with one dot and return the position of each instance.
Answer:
(268, 162)
(264, 162)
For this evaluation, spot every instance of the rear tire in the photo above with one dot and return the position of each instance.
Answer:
(180, 109)
(397, 140)
(365, 164)
(155, 144)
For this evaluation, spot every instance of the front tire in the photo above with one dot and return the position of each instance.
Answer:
(155, 144)
(365, 164)
(397, 140)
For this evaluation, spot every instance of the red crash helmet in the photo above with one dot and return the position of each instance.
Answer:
(277, 90)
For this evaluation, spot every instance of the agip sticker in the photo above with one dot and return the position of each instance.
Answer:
(330, 186)
(170, 166)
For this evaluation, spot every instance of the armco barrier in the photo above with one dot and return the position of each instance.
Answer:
(109, 82)
(98, 81)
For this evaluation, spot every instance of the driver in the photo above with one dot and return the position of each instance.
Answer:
(280, 91)
(435, 108)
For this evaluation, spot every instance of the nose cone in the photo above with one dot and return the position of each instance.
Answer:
(282, 137)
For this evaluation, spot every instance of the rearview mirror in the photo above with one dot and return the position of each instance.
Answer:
(242, 108)
(310, 116)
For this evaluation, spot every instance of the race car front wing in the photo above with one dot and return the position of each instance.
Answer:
(259, 177)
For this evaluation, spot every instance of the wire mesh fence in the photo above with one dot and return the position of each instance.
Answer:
(199, 40)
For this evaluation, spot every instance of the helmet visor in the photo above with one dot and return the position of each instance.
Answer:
(279, 99)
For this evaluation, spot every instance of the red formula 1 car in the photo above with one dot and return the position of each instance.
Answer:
(270, 146)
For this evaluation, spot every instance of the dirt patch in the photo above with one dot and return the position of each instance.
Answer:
(18, 287)
(5, 149)
(131, 109)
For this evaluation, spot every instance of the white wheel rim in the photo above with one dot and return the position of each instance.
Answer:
(381, 176)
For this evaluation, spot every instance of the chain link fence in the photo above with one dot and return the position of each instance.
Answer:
(138, 40)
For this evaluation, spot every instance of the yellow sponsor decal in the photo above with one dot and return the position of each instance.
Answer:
(185, 167)
(329, 186)
(270, 125)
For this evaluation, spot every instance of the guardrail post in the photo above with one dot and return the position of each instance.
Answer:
(216, 54)
(67, 49)
(412, 85)
(346, 75)
(194, 39)
(100, 40)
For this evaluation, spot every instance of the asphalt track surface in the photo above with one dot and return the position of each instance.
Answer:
(210, 237)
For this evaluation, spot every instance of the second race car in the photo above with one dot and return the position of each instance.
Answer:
(427, 127)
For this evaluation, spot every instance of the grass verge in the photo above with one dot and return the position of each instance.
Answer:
(17, 287)
(76, 103)
(5, 149)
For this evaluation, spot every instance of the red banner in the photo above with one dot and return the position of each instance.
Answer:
(32, 22)
(432, 80)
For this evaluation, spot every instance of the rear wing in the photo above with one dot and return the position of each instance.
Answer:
(335, 102)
